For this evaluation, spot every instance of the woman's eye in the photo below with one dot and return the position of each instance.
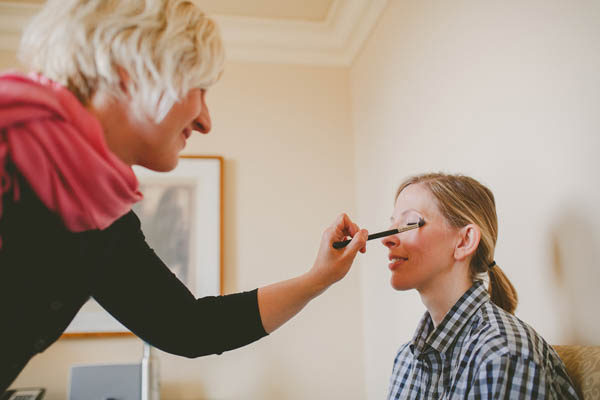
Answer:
(405, 220)
(409, 220)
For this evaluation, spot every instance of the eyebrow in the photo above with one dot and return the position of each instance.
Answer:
(405, 212)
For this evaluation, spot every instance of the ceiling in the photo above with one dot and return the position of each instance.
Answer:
(315, 32)
(308, 10)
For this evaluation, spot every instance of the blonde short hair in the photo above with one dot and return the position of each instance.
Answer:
(167, 47)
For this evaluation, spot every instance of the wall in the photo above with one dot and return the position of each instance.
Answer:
(285, 134)
(8, 60)
(509, 93)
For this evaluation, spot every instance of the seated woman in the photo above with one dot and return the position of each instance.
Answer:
(468, 344)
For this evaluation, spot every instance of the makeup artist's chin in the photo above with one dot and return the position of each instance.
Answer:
(165, 163)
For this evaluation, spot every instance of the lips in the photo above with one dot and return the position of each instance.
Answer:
(187, 132)
(396, 261)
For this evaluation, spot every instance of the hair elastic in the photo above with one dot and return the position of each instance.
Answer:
(492, 264)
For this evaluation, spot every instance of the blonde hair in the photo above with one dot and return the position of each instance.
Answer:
(463, 200)
(166, 47)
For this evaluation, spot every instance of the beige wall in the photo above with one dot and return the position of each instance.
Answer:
(508, 92)
(8, 60)
(285, 134)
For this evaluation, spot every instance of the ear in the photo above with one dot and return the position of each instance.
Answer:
(124, 80)
(468, 240)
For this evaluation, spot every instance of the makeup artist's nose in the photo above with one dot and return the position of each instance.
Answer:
(202, 122)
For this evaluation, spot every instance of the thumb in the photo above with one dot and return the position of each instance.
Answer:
(358, 241)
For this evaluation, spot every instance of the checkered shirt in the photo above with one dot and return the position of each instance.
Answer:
(478, 351)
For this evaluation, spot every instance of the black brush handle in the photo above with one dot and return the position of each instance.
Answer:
(408, 227)
(339, 245)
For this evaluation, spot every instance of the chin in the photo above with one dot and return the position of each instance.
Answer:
(401, 284)
(164, 165)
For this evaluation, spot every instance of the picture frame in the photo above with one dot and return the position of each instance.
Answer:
(182, 219)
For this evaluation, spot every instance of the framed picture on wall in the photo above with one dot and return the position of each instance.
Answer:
(182, 219)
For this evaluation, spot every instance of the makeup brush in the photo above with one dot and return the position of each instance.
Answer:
(408, 227)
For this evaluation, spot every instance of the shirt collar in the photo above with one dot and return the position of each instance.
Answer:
(445, 333)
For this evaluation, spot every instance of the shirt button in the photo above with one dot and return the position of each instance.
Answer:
(39, 344)
(56, 305)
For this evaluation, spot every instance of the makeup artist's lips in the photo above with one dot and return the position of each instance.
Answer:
(187, 132)
(396, 262)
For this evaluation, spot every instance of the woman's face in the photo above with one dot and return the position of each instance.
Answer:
(160, 144)
(419, 256)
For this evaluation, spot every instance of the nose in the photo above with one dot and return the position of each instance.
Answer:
(390, 241)
(202, 122)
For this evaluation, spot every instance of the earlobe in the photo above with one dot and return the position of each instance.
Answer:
(469, 238)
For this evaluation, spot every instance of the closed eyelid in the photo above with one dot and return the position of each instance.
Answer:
(404, 223)
(407, 217)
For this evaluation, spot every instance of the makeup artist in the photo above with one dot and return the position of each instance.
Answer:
(116, 84)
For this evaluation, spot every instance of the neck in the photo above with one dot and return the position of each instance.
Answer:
(115, 123)
(444, 291)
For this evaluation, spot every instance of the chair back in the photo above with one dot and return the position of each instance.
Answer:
(583, 366)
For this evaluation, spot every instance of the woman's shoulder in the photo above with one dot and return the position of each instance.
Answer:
(497, 332)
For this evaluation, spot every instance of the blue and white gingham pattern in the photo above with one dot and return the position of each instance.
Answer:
(478, 351)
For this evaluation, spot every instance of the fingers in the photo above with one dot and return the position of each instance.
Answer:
(344, 226)
(359, 242)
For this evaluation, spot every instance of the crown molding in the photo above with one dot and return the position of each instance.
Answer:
(334, 41)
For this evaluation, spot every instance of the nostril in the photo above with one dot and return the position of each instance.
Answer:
(389, 241)
(199, 126)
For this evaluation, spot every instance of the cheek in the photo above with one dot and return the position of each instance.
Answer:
(427, 250)
(414, 242)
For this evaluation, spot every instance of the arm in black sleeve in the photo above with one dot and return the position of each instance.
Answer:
(135, 286)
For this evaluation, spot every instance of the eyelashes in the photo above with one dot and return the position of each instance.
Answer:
(406, 220)
(412, 225)
(412, 221)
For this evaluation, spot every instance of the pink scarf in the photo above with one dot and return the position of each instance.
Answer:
(59, 147)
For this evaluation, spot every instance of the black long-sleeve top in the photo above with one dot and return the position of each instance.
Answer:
(47, 273)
